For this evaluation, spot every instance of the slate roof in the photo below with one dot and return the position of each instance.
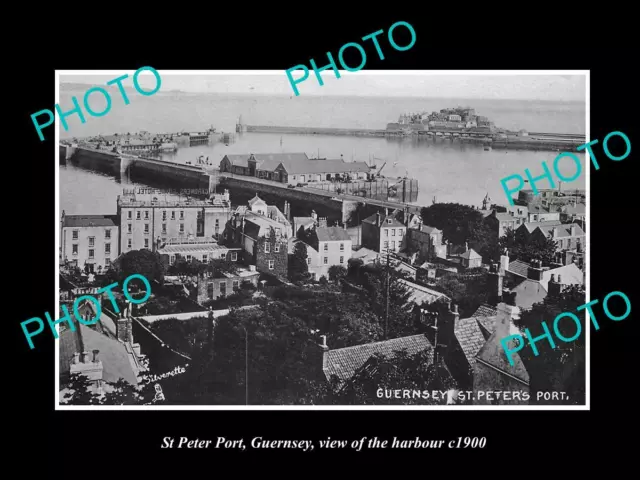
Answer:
(531, 226)
(344, 362)
(519, 268)
(493, 353)
(332, 234)
(470, 254)
(421, 294)
(563, 230)
(238, 160)
(77, 221)
(384, 219)
(113, 353)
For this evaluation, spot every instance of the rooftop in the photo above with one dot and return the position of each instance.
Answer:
(386, 220)
(77, 221)
(193, 248)
(344, 362)
(182, 202)
(421, 294)
(470, 254)
(332, 234)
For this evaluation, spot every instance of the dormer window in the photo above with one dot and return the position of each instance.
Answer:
(389, 221)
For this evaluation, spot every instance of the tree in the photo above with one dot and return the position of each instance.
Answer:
(143, 262)
(468, 292)
(381, 374)
(399, 306)
(81, 391)
(561, 368)
(185, 269)
(337, 272)
(459, 224)
(528, 248)
(298, 266)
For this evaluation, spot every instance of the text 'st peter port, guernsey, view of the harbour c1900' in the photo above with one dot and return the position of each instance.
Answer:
(449, 171)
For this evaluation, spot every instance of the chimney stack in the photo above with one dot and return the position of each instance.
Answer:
(96, 357)
(573, 230)
(506, 315)
(554, 288)
(534, 272)
(76, 358)
(124, 330)
(504, 262)
(445, 331)
(84, 357)
(496, 284)
(377, 219)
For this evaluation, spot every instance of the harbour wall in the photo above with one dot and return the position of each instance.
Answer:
(310, 130)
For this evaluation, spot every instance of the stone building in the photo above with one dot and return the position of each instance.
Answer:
(89, 241)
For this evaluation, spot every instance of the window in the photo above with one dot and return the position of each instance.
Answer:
(234, 256)
(236, 284)
(182, 228)
(308, 260)
(205, 258)
(146, 214)
(393, 245)
(389, 221)
(276, 247)
(267, 247)
(92, 241)
(164, 228)
(267, 234)
(181, 214)
(129, 243)
(188, 258)
(74, 249)
(172, 259)
(223, 288)
(107, 262)
(210, 290)
(400, 232)
(326, 247)
(386, 232)
(173, 215)
(107, 233)
(326, 260)
(341, 259)
(146, 243)
(146, 228)
(129, 228)
(107, 248)
(223, 256)
(277, 231)
(164, 215)
(386, 245)
(129, 214)
(342, 247)
(91, 252)
(272, 264)
(393, 232)
(74, 235)
(138, 215)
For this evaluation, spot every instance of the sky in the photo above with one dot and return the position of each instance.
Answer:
(432, 85)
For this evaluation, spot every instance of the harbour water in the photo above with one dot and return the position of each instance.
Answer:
(450, 172)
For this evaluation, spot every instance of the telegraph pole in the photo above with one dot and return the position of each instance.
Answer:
(386, 316)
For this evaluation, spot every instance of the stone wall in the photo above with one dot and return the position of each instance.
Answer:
(280, 258)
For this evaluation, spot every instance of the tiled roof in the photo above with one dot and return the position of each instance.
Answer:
(519, 268)
(487, 324)
(531, 226)
(344, 362)
(469, 254)
(485, 310)
(470, 337)
(76, 221)
(332, 234)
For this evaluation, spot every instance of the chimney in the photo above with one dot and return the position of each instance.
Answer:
(534, 272)
(91, 369)
(377, 219)
(504, 262)
(123, 330)
(445, 332)
(496, 283)
(554, 288)
(506, 315)
(554, 232)
(325, 352)
(573, 230)
(76, 358)
(466, 246)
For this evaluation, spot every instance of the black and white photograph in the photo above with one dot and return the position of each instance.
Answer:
(387, 240)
